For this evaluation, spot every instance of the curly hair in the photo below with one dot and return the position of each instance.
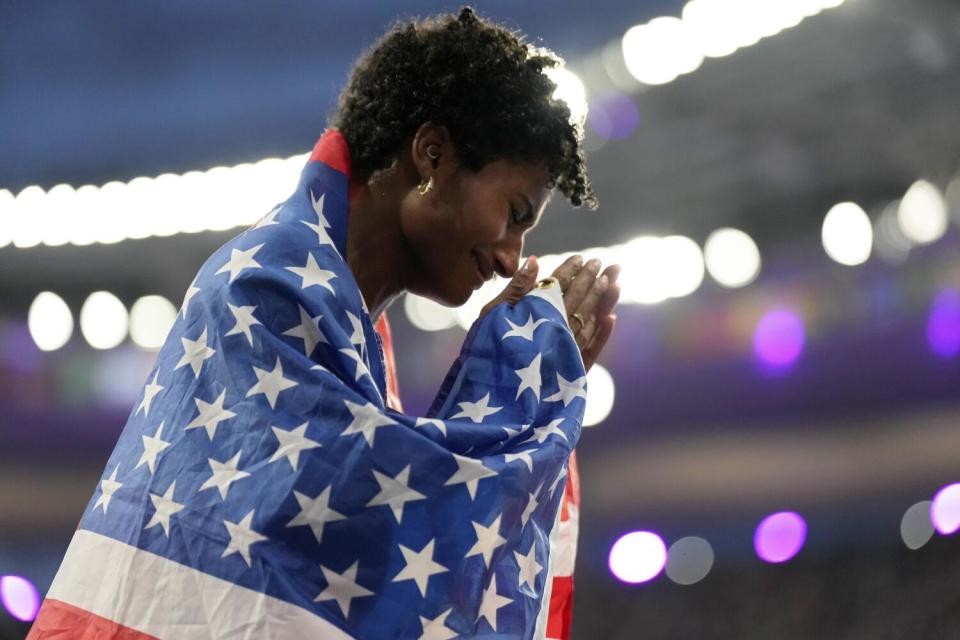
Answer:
(476, 78)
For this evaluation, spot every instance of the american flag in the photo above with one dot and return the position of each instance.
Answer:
(263, 487)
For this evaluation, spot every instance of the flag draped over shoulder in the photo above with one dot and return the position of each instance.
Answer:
(263, 488)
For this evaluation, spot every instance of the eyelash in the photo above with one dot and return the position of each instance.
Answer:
(518, 218)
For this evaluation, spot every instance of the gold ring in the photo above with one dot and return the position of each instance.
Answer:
(546, 283)
(578, 318)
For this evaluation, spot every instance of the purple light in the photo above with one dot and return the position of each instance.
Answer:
(778, 338)
(780, 536)
(19, 597)
(613, 116)
(945, 510)
(637, 557)
(943, 325)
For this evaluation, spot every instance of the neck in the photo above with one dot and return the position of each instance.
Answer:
(376, 250)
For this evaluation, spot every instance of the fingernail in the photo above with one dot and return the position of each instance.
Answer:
(578, 260)
(603, 282)
(594, 265)
(527, 267)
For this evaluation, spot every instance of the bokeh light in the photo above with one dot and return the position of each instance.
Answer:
(20, 598)
(641, 280)
(943, 324)
(637, 557)
(600, 395)
(916, 529)
(689, 560)
(427, 315)
(613, 116)
(151, 318)
(570, 89)
(779, 337)
(847, 234)
(732, 257)
(50, 321)
(923, 213)
(103, 320)
(659, 51)
(682, 266)
(945, 510)
(780, 536)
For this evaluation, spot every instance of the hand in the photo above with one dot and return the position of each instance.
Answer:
(589, 301)
(522, 283)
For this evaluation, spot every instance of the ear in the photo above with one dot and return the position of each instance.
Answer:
(432, 152)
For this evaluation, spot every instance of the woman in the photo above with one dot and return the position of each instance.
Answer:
(263, 487)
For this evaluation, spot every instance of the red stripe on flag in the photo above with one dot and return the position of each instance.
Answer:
(331, 149)
(61, 621)
(561, 608)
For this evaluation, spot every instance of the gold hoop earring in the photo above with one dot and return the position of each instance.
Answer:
(425, 187)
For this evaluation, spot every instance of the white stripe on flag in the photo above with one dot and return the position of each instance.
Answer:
(159, 597)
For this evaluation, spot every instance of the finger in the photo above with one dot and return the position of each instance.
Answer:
(581, 285)
(611, 296)
(588, 306)
(522, 283)
(586, 332)
(605, 326)
(566, 271)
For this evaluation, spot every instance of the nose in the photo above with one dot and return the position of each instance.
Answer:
(506, 256)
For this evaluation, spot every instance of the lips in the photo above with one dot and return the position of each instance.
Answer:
(484, 269)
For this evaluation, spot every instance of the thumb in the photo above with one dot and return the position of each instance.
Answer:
(520, 285)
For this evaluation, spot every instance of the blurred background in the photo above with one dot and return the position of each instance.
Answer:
(774, 447)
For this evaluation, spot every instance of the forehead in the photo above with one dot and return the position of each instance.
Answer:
(517, 179)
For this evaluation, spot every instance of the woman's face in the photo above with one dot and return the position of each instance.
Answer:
(471, 226)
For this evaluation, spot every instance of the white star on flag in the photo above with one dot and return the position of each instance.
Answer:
(529, 567)
(419, 566)
(150, 390)
(245, 320)
(530, 508)
(342, 587)
(108, 487)
(366, 420)
(211, 414)
(270, 218)
(524, 456)
(152, 447)
(224, 474)
(195, 352)
(190, 292)
(361, 369)
(439, 424)
(395, 492)
(491, 603)
(270, 383)
(530, 377)
(242, 536)
(240, 259)
(488, 539)
(313, 275)
(436, 629)
(357, 336)
(478, 410)
(556, 482)
(164, 507)
(308, 330)
(469, 472)
(524, 331)
(292, 443)
(540, 434)
(323, 237)
(315, 512)
(569, 390)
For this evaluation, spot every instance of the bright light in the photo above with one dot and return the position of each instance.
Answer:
(570, 89)
(943, 324)
(6, 217)
(642, 279)
(778, 338)
(659, 51)
(637, 557)
(103, 320)
(427, 315)
(683, 265)
(20, 598)
(780, 536)
(468, 313)
(945, 510)
(49, 321)
(600, 396)
(916, 529)
(150, 320)
(847, 234)
(732, 257)
(712, 26)
(923, 213)
(689, 560)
